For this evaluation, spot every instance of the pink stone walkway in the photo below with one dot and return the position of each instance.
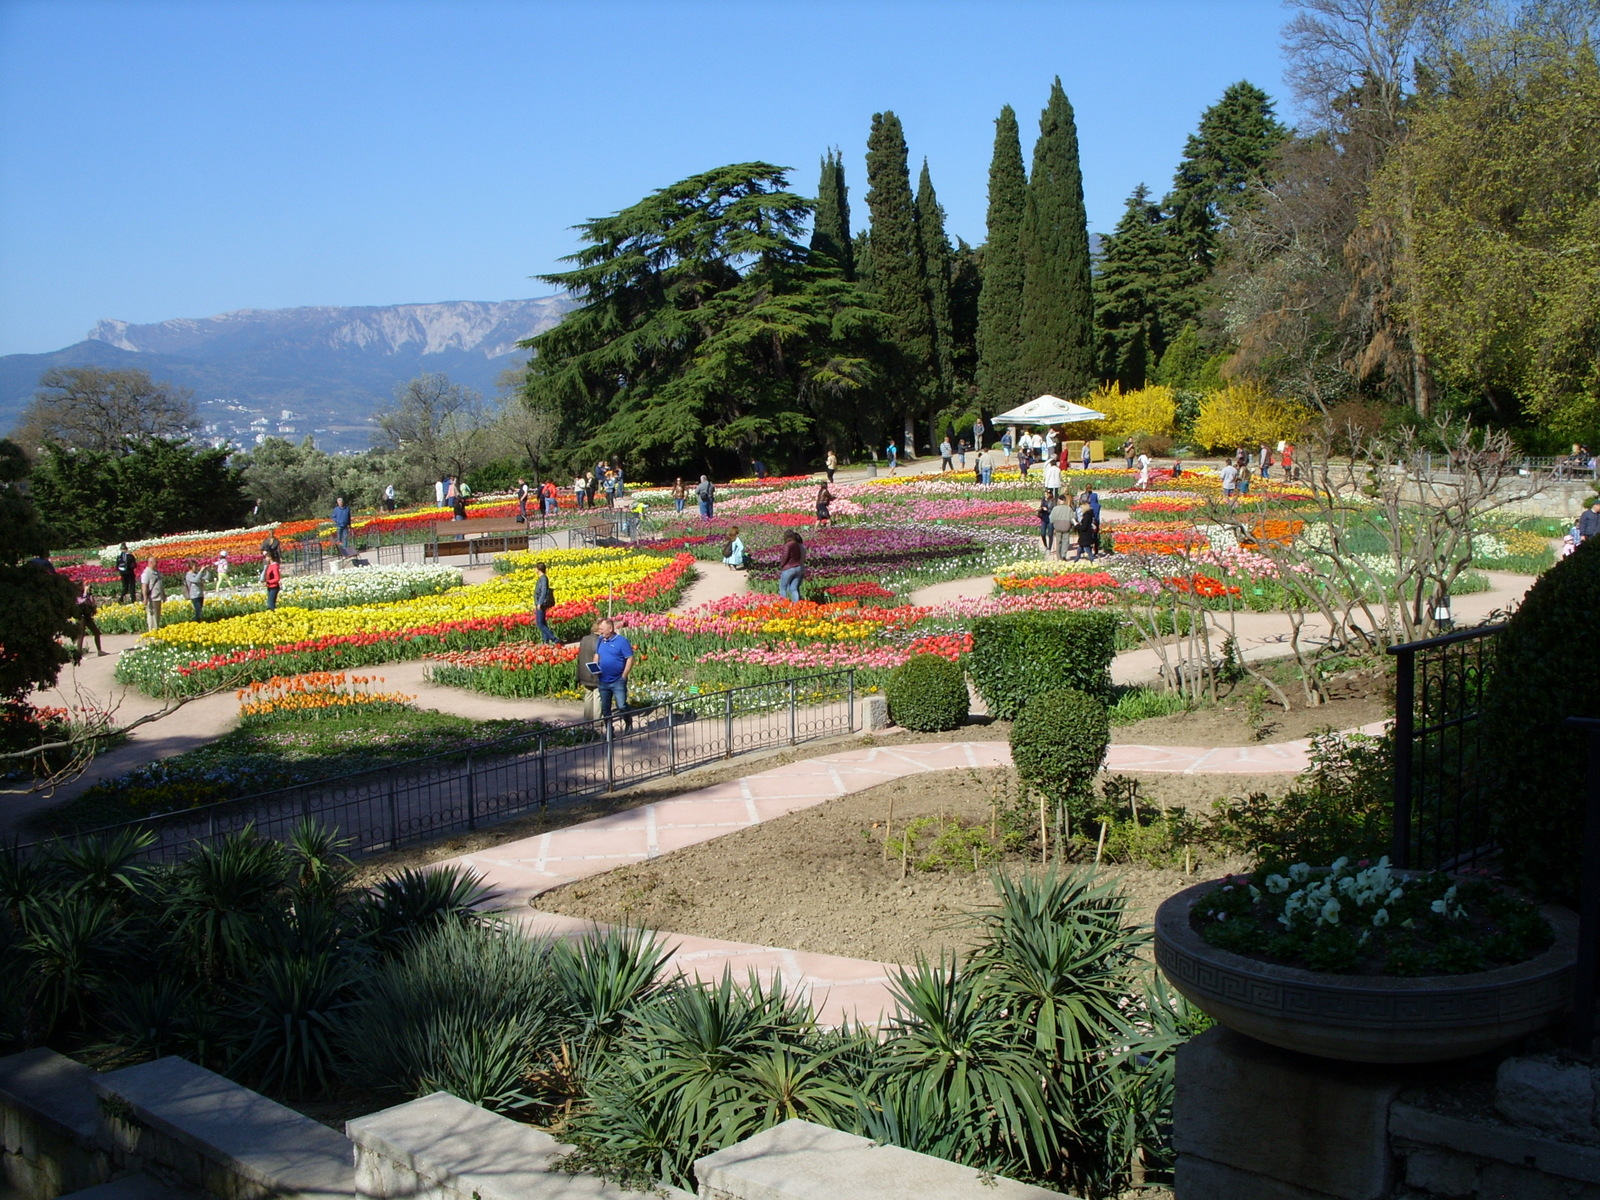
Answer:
(841, 988)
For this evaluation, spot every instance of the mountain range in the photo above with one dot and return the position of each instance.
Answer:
(328, 368)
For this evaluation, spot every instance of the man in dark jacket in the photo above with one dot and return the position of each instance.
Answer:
(1589, 523)
(543, 597)
(128, 573)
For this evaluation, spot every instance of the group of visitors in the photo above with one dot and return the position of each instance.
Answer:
(1064, 521)
(452, 493)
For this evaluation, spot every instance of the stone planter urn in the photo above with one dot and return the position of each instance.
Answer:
(1366, 1018)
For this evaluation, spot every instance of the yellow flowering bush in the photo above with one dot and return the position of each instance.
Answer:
(1149, 410)
(1246, 414)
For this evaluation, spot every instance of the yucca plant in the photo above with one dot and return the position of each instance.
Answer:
(290, 1021)
(954, 1048)
(321, 868)
(106, 866)
(468, 1009)
(69, 953)
(604, 977)
(27, 877)
(151, 1018)
(413, 902)
(220, 897)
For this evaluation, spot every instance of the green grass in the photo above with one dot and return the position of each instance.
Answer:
(268, 753)
(1140, 703)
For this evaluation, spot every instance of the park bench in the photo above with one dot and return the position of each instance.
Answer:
(471, 539)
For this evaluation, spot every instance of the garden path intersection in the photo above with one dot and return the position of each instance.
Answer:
(841, 988)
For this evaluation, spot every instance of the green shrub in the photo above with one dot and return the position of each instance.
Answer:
(928, 693)
(1016, 656)
(1058, 743)
(1542, 675)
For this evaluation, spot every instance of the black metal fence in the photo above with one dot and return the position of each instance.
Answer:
(1441, 813)
(477, 786)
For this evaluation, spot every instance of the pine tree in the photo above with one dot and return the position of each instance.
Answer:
(830, 231)
(937, 258)
(1139, 265)
(1000, 380)
(1057, 288)
(899, 266)
(1233, 150)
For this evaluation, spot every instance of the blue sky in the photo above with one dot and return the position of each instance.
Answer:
(180, 159)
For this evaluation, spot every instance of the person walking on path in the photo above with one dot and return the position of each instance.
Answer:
(341, 524)
(733, 550)
(153, 591)
(1062, 522)
(522, 501)
(1052, 481)
(824, 499)
(1244, 478)
(946, 456)
(831, 464)
(1085, 456)
(706, 493)
(892, 452)
(1008, 439)
(1092, 499)
(272, 576)
(791, 565)
(1230, 485)
(194, 586)
(611, 665)
(543, 598)
(1588, 526)
(680, 494)
(1127, 452)
(128, 573)
(1088, 534)
(1266, 461)
(1046, 530)
(87, 607)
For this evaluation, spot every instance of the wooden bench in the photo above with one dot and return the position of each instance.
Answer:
(469, 538)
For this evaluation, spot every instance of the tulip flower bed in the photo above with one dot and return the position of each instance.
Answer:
(207, 545)
(839, 555)
(193, 657)
(341, 589)
(527, 669)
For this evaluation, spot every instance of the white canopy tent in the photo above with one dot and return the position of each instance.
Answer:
(1048, 410)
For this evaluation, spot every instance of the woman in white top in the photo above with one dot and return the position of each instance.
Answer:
(1144, 472)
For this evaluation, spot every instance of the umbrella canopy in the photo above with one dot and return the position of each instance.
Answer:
(1048, 410)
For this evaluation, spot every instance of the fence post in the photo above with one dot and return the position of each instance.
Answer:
(791, 711)
(472, 796)
(672, 742)
(1582, 1030)
(1405, 696)
(394, 816)
(543, 775)
(850, 701)
(727, 749)
(611, 758)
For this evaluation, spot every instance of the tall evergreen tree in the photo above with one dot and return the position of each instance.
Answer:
(1232, 152)
(1139, 265)
(1057, 287)
(830, 231)
(1000, 380)
(966, 291)
(937, 258)
(899, 266)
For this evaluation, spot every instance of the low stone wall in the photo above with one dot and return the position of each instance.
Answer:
(50, 1126)
(1251, 1122)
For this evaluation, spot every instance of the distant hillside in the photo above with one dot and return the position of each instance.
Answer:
(328, 367)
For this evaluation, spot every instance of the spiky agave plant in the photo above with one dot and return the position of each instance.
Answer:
(219, 898)
(416, 901)
(289, 1022)
(604, 978)
(106, 866)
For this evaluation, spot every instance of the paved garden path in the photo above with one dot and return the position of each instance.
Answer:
(841, 988)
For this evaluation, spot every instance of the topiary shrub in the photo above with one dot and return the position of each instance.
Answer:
(1016, 656)
(1058, 743)
(928, 693)
(1542, 675)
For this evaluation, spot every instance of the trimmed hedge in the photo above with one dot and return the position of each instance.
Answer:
(928, 693)
(1016, 656)
(1544, 672)
(1059, 741)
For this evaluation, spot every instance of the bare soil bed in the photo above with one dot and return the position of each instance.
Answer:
(818, 880)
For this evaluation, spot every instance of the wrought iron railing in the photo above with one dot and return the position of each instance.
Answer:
(485, 783)
(1441, 783)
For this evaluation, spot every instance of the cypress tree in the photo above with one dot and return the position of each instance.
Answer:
(937, 258)
(830, 231)
(899, 266)
(1057, 287)
(1138, 269)
(1000, 380)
